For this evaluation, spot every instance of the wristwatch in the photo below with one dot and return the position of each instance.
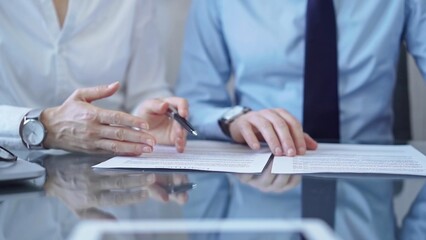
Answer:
(229, 116)
(32, 130)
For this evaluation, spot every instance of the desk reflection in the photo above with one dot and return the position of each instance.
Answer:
(84, 190)
(364, 207)
(74, 192)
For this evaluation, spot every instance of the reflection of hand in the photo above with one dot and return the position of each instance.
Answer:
(282, 132)
(84, 191)
(158, 189)
(79, 126)
(165, 130)
(268, 182)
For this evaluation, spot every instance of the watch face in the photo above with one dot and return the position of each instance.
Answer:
(233, 112)
(33, 132)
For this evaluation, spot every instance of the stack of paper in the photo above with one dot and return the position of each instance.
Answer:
(236, 158)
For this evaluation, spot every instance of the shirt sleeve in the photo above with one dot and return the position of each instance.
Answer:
(10, 120)
(205, 69)
(146, 72)
(415, 32)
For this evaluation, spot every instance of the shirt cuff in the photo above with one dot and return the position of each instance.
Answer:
(9, 125)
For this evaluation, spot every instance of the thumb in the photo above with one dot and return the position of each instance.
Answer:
(96, 93)
(154, 106)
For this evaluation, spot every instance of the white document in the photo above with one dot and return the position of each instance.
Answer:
(347, 158)
(198, 155)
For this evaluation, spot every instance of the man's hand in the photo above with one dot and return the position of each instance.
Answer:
(268, 182)
(279, 129)
(79, 126)
(162, 127)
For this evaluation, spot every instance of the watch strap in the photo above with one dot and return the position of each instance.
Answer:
(224, 123)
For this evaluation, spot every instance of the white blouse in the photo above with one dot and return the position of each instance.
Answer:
(100, 42)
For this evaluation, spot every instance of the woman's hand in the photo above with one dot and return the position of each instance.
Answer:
(162, 127)
(79, 126)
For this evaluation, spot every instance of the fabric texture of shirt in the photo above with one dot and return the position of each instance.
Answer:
(260, 45)
(41, 64)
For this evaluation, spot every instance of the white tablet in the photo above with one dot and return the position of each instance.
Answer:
(203, 229)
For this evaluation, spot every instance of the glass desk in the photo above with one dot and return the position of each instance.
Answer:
(71, 192)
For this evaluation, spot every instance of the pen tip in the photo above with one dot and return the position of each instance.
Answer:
(195, 133)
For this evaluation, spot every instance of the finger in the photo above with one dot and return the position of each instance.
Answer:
(264, 181)
(178, 137)
(121, 119)
(281, 183)
(296, 130)
(94, 213)
(180, 198)
(245, 178)
(158, 192)
(266, 129)
(291, 182)
(123, 181)
(178, 179)
(180, 143)
(244, 128)
(122, 148)
(118, 197)
(154, 106)
(282, 130)
(311, 144)
(95, 93)
(163, 179)
(125, 134)
(180, 104)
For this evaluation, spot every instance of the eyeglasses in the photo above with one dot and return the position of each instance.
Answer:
(7, 158)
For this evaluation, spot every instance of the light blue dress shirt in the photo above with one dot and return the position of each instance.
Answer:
(260, 44)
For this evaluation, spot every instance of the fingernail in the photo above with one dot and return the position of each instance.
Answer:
(302, 150)
(278, 151)
(150, 142)
(255, 146)
(112, 85)
(290, 152)
(144, 126)
(147, 149)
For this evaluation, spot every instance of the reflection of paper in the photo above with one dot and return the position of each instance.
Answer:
(198, 155)
(345, 158)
